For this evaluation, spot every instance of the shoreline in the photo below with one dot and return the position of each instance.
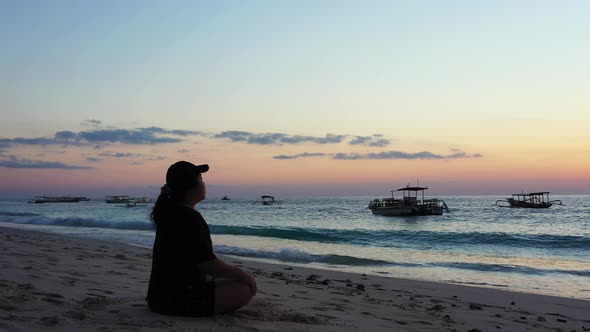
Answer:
(61, 282)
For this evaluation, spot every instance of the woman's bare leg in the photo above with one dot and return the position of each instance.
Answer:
(231, 295)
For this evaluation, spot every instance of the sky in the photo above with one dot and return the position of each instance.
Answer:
(295, 98)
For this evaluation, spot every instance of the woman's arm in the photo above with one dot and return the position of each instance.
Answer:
(220, 269)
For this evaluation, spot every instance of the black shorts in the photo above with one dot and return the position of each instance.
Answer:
(198, 300)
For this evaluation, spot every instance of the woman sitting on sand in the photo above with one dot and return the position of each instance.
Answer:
(187, 278)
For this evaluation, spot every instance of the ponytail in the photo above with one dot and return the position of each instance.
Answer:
(168, 198)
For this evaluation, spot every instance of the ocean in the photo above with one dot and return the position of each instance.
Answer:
(545, 251)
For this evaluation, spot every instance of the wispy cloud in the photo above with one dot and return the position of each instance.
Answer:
(376, 140)
(183, 151)
(91, 123)
(300, 155)
(130, 155)
(138, 136)
(381, 155)
(121, 155)
(101, 137)
(403, 155)
(277, 138)
(15, 162)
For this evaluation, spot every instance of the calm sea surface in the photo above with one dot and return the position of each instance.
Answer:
(543, 251)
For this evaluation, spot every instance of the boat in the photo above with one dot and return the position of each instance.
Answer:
(225, 198)
(59, 199)
(141, 200)
(409, 205)
(537, 200)
(117, 199)
(131, 203)
(267, 199)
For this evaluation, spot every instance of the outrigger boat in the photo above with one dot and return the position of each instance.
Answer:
(117, 199)
(122, 199)
(408, 205)
(59, 199)
(538, 200)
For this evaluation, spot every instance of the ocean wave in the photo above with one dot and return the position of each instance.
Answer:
(359, 237)
(298, 256)
(403, 238)
(18, 214)
(86, 222)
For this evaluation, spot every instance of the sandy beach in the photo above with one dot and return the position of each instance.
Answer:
(52, 282)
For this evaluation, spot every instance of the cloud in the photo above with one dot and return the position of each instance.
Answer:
(157, 130)
(15, 162)
(375, 140)
(301, 155)
(138, 136)
(403, 155)
(121, 155)
(99, 137)
(277, 138)
(131, 155)
(93, 160)
(380, 155)
(183, 151)
(91, 123)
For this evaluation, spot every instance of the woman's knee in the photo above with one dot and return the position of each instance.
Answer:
(231, 295)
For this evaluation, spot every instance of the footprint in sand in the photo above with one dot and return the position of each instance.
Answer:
(53, 295)
(25, 286)
(49, 321)
(102, 290)
(67, 281)
(53, 300)
(77, 315)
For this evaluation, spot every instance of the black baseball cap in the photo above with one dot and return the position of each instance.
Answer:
(183, 175)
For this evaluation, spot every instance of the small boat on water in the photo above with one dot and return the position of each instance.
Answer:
(125, 199)
(225, 198)
(267, 199)
(59, 199)
(409, 204)
(117, 199)
(538, 200)
(131, 203)
(141, 200)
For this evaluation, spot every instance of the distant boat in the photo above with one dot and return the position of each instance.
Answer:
(131, 203)
(225, 198)
(59, 199)
(267, 199)
(408, 205)
(141, 200)
(117, 199)
(538, 200)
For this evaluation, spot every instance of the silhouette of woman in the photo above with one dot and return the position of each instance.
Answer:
(187, 279)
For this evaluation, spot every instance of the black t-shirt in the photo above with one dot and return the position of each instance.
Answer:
(182, 241)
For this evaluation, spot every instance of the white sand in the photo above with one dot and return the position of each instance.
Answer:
(51, 282)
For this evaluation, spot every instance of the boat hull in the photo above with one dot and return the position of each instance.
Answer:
(396, 211)
(65, 199)
(530, 205)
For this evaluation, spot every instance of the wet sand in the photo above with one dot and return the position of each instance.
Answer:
(53, 282)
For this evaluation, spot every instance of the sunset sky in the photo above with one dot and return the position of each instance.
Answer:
(295, 97)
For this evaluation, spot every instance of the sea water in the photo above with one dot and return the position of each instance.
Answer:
(544, 251)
